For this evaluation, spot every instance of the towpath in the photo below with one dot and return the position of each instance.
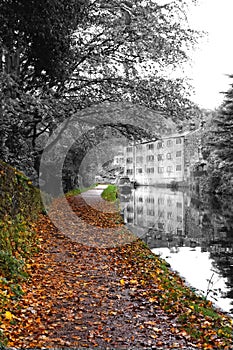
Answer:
(86, 292)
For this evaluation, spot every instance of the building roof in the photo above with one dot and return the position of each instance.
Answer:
(165, 137)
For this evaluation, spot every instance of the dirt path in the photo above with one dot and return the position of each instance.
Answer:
(83, 296)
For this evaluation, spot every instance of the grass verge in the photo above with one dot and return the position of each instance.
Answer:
(110, 193)
(196, 317)
(77, 191)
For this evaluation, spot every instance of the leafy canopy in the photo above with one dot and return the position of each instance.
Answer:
(60, 57)
(223, 129)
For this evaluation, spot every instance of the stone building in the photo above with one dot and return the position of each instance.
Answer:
(119, 159)
(170, 159)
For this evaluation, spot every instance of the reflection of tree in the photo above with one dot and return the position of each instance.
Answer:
(216, 228)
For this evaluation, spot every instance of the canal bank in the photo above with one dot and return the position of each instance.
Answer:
(113, 297)
(194, 236)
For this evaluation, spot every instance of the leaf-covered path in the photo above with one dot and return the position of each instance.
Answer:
(81, 296)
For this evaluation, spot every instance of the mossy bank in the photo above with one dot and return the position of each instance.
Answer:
(20, 205)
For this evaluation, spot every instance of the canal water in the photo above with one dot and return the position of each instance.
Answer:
(195, 236)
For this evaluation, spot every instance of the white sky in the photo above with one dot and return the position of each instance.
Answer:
(214, 59)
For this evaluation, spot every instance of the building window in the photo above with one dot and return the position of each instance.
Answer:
(179, 205)
(129, 160)
(160, 170)
(129, 220)
(159, 144)
(140, 199)
(179, 232)
(150, 200)
(129, 172)
(150, 158)
(169, 143)
(139, 171)
(150, 146)
(169, 169)
(178, 140)
(169, 215)
(129, 149)
(139, 147)
(150, 170)
(160, 156)
(169, 156)
(169, 202)
(178, 167)
(140, 210)
(150, 212)
(178, 154)
(129, 209)
(179, 218)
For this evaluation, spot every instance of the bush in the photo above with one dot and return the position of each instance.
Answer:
(110, 193)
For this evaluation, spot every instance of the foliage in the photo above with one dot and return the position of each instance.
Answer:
(16, 192)
(26, 122)
(36, 39)
(93, 52)
(219, 180)
(223, 128)
(220, 143)
(17, 242)
(122, 50)
(110, 193)
(20, 206)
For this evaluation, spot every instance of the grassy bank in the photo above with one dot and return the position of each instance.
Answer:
(194, 317)
(20, 205)
(110, 193)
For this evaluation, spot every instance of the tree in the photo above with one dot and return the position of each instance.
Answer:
(36, 51)
(36, 39)
(221, 144)
(223, 129)
(60, 57)
(123, 51)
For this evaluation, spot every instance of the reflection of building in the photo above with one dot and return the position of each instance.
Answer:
(167, 216)
(164, 161)
(161, 210)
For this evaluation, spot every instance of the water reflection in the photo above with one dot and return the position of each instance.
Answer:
(196, 237)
